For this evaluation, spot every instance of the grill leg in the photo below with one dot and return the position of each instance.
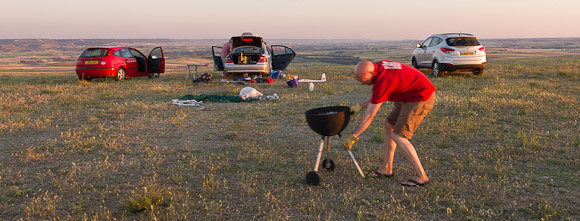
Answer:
(319, 154)
(328, 143)
(356, 164)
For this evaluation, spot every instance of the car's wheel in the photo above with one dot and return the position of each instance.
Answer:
(414, 63)
(478, 71)
(156, 75)
(265, 74)
(84, 79)
(121, 74)
(437, 72)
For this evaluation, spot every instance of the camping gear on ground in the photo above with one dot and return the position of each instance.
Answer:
(273, 96)
(225, 98)
(293, 82)
(327, 122)
(226, 81)
(193, 103)
(249, 92)
(253, 80)
(215, 98)
(260, 80)
(275, 74)
(322, 79)
(191, 69)
(205, 78)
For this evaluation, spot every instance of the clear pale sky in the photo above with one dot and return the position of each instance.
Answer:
(289, 19)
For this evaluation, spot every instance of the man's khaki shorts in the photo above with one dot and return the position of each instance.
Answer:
(406, 116)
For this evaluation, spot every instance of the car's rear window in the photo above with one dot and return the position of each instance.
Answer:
(248, 50)
(462, 41)
(95, 52)
(246, 41)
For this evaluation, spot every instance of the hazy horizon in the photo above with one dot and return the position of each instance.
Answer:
(375, 20)
(290, 39)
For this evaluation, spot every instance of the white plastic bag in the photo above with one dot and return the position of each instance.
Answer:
(249, 92)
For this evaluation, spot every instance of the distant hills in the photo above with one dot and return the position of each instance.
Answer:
(32, 45)
(25, 45)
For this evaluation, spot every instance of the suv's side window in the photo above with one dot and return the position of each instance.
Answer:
(426, 42)
(435, 42)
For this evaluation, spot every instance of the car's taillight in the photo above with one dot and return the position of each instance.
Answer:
(483, 62)
(263, 59)
(482, 49)
(229, 60)
(447, 50)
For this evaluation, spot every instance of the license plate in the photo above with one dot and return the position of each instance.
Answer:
(92, 62)
(466, 53)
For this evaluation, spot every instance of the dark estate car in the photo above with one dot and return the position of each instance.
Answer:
(119, 62)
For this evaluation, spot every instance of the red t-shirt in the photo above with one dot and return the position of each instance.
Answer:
(225, 50)
(393, 81)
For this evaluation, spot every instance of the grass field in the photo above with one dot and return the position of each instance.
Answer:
(504, 145)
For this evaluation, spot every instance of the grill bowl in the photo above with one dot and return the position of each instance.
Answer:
(328, 121)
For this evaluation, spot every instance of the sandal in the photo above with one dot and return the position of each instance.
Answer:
(379, 175)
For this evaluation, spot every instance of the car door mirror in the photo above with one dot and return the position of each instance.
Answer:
(153, 57)
(419, 46)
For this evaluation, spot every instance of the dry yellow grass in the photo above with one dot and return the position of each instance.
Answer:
(500, 146)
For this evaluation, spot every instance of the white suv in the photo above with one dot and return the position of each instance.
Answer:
(450, 52)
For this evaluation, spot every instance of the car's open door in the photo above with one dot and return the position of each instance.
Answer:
(156, 61)
(281, 57)
(218, 64)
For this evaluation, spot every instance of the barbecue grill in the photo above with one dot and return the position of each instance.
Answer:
(327, 121)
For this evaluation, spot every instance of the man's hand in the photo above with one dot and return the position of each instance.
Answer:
(355, 109)
(349, 141)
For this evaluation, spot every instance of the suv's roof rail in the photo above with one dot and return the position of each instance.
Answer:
(458, 34)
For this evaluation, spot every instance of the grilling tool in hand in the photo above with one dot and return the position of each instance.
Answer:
(327, 121)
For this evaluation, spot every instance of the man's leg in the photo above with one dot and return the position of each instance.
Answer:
(386, 167)
(410, 154)
(390, 146)
(410, 118)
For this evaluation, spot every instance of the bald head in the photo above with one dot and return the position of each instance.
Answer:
(364, 71)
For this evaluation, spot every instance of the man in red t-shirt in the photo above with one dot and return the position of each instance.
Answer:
(225, 51)
(413, 96)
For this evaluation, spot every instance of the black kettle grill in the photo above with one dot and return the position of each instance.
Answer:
(327, 121)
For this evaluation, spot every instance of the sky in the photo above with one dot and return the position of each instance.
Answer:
(290, 19)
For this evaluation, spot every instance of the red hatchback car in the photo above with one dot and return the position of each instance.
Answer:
(119, 62)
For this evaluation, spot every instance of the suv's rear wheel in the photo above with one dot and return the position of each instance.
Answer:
(414, 63)
(478, 71)
(437, 71)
